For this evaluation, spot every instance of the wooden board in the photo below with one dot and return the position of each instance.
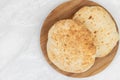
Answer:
(66, 11)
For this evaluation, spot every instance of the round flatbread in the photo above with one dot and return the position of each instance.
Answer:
(102, 26)
(70, 46)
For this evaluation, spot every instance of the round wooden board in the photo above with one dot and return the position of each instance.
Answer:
(66, 11)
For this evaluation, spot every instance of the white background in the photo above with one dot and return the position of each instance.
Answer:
(20, 54)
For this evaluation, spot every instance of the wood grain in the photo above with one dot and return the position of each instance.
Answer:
(66, 11)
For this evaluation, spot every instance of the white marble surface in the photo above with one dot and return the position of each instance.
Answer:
(20, 54)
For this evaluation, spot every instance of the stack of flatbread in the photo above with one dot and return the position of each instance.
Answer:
(73, 44)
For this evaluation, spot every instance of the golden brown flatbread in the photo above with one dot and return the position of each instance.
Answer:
(102, 26)
(70, 46)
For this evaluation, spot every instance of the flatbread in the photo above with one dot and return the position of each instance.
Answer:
(70, 46)
(102, 26)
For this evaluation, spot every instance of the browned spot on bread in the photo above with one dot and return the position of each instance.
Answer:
(95, 32)
(90, 17)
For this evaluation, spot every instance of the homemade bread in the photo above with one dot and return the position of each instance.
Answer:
(70, 46)
(102, 26)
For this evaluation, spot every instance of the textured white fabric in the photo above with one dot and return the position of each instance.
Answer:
(20, 54)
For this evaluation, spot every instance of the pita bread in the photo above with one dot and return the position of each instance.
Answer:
(70, 46)
(102, 26)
